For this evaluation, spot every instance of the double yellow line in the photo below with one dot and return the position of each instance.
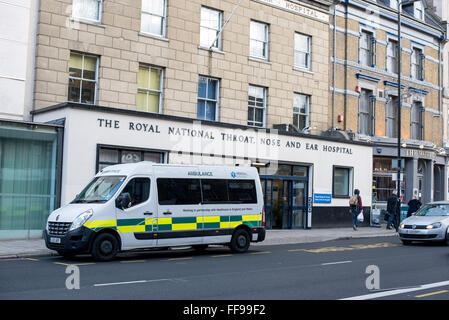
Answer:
(431, 294)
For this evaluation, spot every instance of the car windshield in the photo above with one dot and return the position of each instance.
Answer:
(100, 189)
(434, 210)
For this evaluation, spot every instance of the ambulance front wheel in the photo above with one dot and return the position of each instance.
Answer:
(105, 247)
(240, 241)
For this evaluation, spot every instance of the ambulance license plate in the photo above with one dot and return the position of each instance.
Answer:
(55, 240)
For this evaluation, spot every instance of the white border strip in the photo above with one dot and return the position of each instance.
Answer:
(129, 282)
(398, 291)
(333, 263)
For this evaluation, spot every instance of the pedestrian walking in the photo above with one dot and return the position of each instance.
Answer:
(393, 210)
(355, 207)
(413, 205)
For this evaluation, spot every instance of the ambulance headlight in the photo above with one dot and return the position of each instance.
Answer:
(81, 219)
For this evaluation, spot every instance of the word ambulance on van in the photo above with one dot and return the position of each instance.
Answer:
(148, 205)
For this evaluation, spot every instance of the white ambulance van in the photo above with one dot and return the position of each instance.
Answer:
(148, 205)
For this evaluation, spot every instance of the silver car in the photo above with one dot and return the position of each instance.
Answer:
(429, 223)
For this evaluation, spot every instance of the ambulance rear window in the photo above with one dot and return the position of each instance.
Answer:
(242, 191)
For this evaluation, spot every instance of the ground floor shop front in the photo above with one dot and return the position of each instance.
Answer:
(307, 180)
(423, 174)
(30, 158)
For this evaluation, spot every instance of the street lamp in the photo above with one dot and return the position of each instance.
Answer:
(400, 3)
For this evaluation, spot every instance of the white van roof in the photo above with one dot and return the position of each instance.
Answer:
(180, 171)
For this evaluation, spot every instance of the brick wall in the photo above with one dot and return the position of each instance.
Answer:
(348, 81)
(121, 47)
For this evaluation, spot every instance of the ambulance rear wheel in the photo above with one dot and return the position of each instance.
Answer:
(240, 241)
(105, 247)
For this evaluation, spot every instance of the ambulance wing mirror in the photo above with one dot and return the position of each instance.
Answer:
(123, 201)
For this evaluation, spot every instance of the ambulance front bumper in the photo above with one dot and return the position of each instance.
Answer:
(75, 241)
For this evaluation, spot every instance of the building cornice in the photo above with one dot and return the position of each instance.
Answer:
(390, 14)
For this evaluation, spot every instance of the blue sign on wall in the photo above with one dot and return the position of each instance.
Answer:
(322, 198)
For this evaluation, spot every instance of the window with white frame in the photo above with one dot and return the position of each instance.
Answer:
(302, 51)
(366, 112)
(301, 110)
(149, 88)
(418, 10)
(417, 121)
(209, 28)
(257, 97)
(258, 46)
(109, 155)
(83, 78)
(394, 4)
(417, 64)
(391, 116)
(153, 17)
(392, 56)
(342, 182)
(87, 9)
(207, 104)
(367, 48)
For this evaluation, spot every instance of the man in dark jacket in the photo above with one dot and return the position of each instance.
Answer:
(393, 209)
(413, 206)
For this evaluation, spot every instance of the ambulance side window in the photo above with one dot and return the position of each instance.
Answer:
(138, 189)
(214, 191)
(174, 191)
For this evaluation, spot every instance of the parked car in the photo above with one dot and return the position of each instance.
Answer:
(429, 223)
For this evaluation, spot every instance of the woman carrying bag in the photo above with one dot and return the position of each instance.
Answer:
(355, 205)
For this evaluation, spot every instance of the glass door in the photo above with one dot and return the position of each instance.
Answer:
(274, 203)
(298, 203)
(290, 203)
(285, 202)
(420, 186)
(279, 204)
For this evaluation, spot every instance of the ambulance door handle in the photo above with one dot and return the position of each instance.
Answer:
(167, 212)
(148, 213)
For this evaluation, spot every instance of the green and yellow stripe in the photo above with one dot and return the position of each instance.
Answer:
(176, 223)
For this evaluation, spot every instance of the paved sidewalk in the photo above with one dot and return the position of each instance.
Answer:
(275, 237)
(36, 247)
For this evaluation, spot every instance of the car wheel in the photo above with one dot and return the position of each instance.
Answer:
(105, 247)
(446, 240)
(240, 241)
(406, 242)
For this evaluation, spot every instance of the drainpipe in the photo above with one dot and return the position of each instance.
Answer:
(346, 67)
(334, 55)
(31, 61)
(440, 84)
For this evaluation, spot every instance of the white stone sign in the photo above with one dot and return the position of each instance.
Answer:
(297, 8)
